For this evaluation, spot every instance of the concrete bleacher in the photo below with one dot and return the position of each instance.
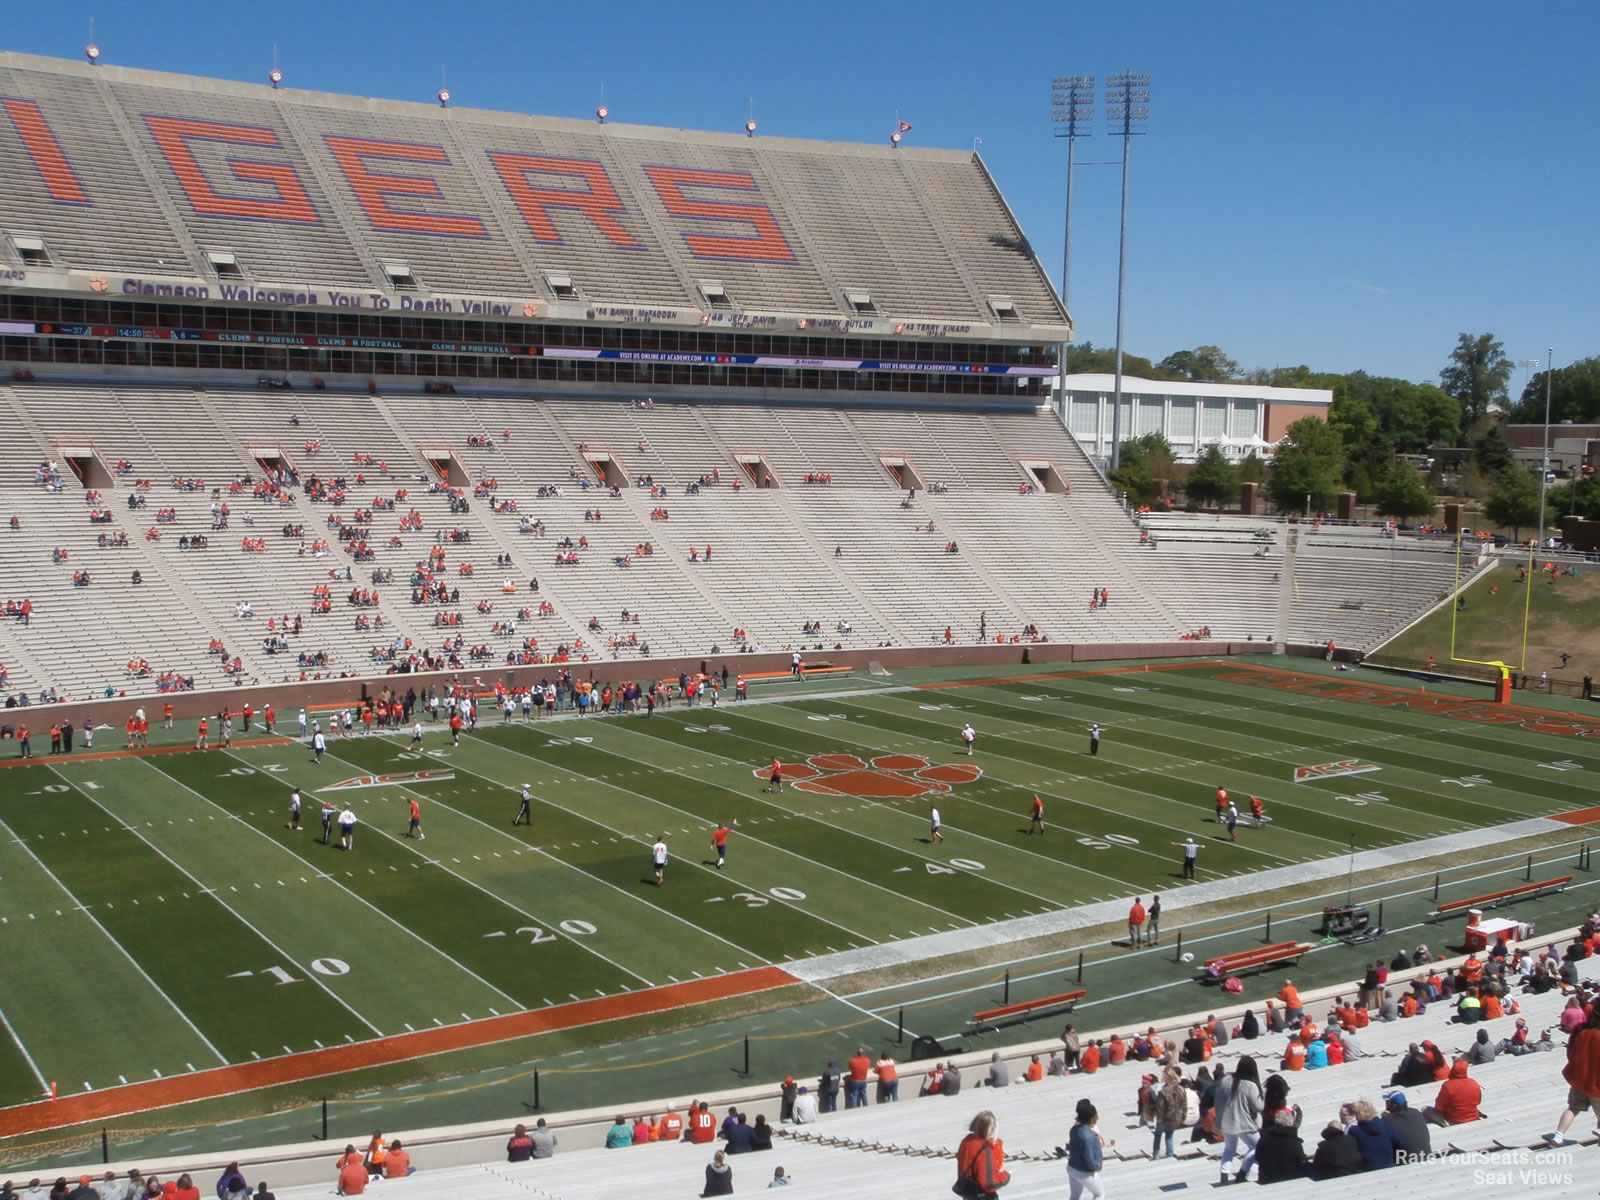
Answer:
(924, 232)
(968, 205)
(908, 1147)
(845, 551)
(265, 251)
(126, 232)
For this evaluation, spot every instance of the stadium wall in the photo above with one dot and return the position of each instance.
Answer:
(288, 699)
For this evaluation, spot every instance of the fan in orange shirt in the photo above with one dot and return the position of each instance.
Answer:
(1294, 1055)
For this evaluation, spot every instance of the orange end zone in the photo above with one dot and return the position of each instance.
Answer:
(251, 1076)
(1583, 816)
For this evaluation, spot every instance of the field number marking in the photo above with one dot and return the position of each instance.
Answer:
(1366, 798)
(541, 936)
(322, 966)
(1106, 840)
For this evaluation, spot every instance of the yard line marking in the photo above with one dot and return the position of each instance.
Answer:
(315, 977)
(1279, 750)
(44, 1084)
(193, 1028)
(1010, 848)
(855, 880)
(898, 848)
(410, 932)
(572, 867)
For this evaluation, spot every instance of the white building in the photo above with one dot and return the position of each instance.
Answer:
(1239, 417)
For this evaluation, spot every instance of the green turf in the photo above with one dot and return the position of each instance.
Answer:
(194, 928)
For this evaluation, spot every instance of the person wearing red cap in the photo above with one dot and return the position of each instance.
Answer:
(786, 1103)
(84, 1190)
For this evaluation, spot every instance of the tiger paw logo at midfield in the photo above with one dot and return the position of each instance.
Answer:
(887, 777)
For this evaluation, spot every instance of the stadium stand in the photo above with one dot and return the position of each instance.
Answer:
(910, 1146)
(278, 351)
(845, 552)
(649, 294)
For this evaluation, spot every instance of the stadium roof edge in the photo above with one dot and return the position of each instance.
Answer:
(433, 111)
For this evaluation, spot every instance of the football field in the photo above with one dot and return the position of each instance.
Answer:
(158, 919)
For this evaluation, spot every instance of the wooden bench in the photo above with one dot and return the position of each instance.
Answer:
(1027, 1008)
(1260, 958)
(819, 669)
(1493, 899)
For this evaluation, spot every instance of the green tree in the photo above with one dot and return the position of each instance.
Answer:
(1351, 416)
(1309, 462)
(1477, 375)
(1085, 358)
(1412, 416)
(1491, 450)
(1473, 483)
(1358, 478)
(1203, 364)
(1214, 479)
(1574, 394)
(1514, 504)
(1581, 497)
(1142, 462)
(1402, 494)
(1252, 469)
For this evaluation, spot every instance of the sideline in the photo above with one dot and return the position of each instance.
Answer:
(336, 1060)
(1174, 900)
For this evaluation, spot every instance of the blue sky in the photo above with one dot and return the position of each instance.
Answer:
(1346, 186)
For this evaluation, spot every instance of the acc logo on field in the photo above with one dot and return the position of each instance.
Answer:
(1348, 766)
(366, 781)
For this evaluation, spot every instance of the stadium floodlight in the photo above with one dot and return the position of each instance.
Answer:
(1544, 466)
(602, 113)
(1072, 113)
(92, 53)
(750, 127)
(1127, 109)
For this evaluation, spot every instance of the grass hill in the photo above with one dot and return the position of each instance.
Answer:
(1562, 615)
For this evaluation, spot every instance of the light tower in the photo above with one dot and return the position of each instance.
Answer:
(1544, 459)
(1127, 109)
(1072, 114)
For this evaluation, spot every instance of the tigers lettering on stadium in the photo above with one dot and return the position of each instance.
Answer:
(719, 214)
